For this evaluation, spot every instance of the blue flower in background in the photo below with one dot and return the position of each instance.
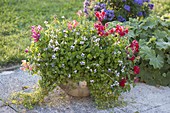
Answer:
(99, 6)
(109, 14)
(127, 7)
(139, 2)
(150, 6)
(146, 0)
(121, 19)
(140, 13)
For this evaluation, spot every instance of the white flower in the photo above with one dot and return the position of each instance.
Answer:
(72, 47)
(84, 38)
(54, 56)
(75, 71)
(56, 42)
(52, 64)
(82, 54)
(77, 33)
(46, 64)
(64, 31)
(117, 74)
(51, 41)
(91, 81)
(45, 49)
(56, 49)
(109, 70)
(91, 70)
(119, 52)
(82, 63)
(65, 35)
(88, 67)
(97, 65)
(114, 53)
(95, 70)
(81, 42)
(69, 75)
(75, 42)
(63, 65)
(122, 70)
(116, 83)
(63, 17)
(45, 22)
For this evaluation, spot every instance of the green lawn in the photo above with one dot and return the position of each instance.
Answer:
(17, 17)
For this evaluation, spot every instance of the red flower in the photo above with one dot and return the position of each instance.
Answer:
(100, 16)
(121, 31)
(132, 58)
(122, 82)
(135, 46)
(136, 70)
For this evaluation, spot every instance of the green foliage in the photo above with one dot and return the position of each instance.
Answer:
(66, 53)
(16, 18)
(154, 38)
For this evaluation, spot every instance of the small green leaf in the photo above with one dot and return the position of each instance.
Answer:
(161, 44)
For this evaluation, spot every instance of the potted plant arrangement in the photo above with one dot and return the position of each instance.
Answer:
(92, 57)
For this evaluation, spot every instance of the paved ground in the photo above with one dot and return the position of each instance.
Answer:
(141, 99)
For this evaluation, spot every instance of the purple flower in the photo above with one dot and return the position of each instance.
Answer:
(109, 14)
(150, 6)
(26, 50)
(121, 19)
(127, 7)
(99, 6)
(123, 0)
(146, 0)
(86, 4)
(139, 2)
(86, 11)
(140, 13)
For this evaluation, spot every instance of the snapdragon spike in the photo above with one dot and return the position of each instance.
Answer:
(36, 32)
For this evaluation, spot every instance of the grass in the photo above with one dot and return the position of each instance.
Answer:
(17, 17)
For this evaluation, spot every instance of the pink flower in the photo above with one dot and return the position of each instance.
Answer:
(121, 31)
(36, 32)
(136, 70)
(72, 25)
(79, 13)
(26, 50)
(136, 79)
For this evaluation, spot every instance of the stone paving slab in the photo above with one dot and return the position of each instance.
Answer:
(141, 99)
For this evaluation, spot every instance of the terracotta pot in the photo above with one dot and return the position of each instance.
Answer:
(76, 89)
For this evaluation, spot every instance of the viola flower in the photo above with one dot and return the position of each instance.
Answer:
(127, 7)
(139, 2)
(121, 19)
(122, 82)
(99, 6)
(109, 15)
(136, 79)
(150, 6)
(136, 70)
(140, 13)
